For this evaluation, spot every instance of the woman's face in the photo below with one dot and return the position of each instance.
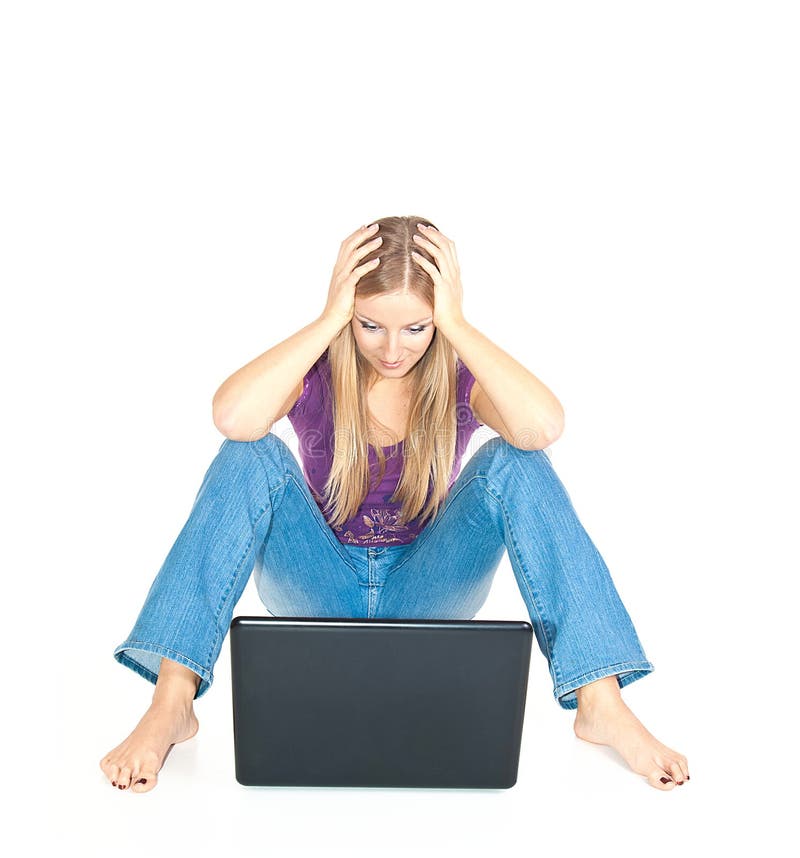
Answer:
(392, 328)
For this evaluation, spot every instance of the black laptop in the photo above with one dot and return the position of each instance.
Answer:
(378, 702)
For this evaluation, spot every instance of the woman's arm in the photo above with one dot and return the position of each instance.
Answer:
(248, 402)
(530, 415)
(509, 398)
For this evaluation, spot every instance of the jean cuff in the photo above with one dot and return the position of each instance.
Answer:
(625, 671)
(148, 662)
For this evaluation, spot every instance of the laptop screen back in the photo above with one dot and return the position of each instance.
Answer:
(379, 702)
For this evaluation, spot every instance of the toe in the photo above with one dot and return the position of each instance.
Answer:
(661, 780)
(144, 782)
(124, 779)
(110, 770)
(675, 771)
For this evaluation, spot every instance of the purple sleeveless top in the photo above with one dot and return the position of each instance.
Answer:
(377, 520)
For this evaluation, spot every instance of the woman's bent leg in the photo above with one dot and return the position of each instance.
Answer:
(507, 498)
(249, 488)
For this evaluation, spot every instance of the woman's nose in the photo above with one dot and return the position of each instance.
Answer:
(393, 349)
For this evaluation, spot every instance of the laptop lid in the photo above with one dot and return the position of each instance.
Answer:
(378, 702)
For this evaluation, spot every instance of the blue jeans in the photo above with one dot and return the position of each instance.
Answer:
(254, 512)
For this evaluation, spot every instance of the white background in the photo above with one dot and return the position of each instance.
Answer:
(621, 183)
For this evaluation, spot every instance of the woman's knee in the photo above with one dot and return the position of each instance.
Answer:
(259, 446)
(498, 457)
(269, 451)
(498, 448)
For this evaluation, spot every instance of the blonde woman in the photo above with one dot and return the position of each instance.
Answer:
(384, 389)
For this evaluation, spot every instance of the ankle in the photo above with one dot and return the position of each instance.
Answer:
(601, 692)
(176, 685)
(172, 701)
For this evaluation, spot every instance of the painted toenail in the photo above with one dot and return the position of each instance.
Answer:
(664, 780)
(113, 783)
(142, 781)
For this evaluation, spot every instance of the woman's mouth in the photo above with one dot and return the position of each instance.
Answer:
(391, 365)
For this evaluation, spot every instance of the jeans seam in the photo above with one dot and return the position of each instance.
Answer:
(304, 492)
(229, 588)
(534, 601)
(432, 526)
(218, 633)
(325, 528)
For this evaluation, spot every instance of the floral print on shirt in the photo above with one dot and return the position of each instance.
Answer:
(382, 524)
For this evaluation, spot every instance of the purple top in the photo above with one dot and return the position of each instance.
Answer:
(376, 522)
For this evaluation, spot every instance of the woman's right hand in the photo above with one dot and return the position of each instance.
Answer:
(342, 291)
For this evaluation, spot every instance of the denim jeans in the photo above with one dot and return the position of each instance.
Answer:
(255, 513)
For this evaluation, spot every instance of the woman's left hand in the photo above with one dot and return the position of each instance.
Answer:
(446, 276)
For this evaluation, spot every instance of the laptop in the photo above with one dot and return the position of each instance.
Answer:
(378, 702)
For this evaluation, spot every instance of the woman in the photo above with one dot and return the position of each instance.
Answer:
(381, 392)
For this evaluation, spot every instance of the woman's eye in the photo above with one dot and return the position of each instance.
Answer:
(371, 328)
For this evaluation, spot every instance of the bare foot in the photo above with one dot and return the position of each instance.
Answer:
(605, 719)
(136, 762)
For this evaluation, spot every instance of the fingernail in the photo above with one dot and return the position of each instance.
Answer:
(664, 780)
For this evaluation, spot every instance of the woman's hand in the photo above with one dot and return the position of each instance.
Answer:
(342, 291)
(446, 276)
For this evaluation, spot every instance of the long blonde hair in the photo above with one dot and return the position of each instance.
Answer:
(430, 442)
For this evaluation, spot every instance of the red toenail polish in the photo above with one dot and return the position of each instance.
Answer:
(142, 781)
(664, 780)
(113, 783)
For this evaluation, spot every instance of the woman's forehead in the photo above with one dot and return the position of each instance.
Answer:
(394, 308)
